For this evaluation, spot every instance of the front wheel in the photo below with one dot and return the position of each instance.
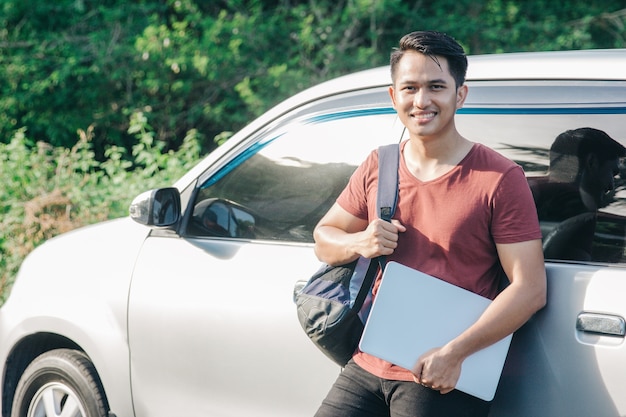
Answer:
(62, 382)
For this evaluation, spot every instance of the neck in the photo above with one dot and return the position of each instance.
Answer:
(429, 159)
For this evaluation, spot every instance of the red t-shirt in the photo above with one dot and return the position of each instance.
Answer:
(453, 223)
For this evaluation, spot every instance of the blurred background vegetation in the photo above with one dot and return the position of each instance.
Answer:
(103, 99)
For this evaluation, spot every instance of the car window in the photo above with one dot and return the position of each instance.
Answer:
(288, 177)
(578, 182)
(286, 180)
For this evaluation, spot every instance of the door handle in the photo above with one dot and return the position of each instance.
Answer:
(603, 324)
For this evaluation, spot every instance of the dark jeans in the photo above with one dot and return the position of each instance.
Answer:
(357, 393)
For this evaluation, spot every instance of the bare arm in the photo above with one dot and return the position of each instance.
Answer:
(523, 263)
(341, 237)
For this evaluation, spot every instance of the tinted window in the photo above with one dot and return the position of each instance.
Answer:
(581, 194)
(288, 178)
(282, 185)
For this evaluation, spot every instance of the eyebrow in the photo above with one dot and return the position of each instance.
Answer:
(429, 82)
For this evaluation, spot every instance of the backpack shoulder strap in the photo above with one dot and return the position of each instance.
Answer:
(387, 194)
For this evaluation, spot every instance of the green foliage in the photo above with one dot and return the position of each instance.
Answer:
(50, 190)
(213, 66)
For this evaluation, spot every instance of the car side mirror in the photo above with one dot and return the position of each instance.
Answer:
(158, 208)
(223, 218)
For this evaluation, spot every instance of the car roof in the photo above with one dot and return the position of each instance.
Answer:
(592, 64)
(598, 64)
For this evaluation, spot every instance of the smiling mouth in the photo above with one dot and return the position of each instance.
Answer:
(423, 116)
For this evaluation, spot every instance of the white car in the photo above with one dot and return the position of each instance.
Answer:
(186, 307)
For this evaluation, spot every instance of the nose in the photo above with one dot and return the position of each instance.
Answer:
(611, 184)
(421, 99)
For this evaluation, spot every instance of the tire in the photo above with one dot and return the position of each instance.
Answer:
(61, 382)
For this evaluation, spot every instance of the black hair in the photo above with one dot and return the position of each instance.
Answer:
(433, 44)
(585, 141)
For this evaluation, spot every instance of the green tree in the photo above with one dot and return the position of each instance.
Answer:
(213, 66)
(64, 66)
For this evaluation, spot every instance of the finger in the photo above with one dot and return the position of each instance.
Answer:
(417, 372)
(399, 226)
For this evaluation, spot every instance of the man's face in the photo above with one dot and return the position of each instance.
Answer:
(425, 95)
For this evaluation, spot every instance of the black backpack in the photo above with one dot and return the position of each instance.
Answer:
(334, 304)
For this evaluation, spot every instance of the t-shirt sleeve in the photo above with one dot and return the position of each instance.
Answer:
(514, 212)
(357, 194)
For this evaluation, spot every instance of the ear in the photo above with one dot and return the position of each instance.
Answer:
(461, 95)
(392, 94)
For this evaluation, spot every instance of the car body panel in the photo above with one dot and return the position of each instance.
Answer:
(182, 324)
(555, 370)
(85, 303)
(218, 324)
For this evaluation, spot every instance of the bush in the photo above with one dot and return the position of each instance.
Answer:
(50, 190)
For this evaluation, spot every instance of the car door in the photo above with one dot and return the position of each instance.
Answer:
(570, 359)
(212, 325)
(557, 368)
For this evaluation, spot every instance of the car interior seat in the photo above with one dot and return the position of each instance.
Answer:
(571, 239)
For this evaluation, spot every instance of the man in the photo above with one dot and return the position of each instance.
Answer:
(462, 211)
(583, 165)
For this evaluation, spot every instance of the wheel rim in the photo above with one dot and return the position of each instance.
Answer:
(55, 400)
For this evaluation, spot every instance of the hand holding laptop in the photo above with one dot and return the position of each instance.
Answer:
(401, 330)
(435, 365)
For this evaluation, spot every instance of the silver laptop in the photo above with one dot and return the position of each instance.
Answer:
(414, 312)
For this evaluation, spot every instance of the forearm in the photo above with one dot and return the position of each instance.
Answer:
(523, 263)
(341, 238)
(507, 313)
(440, 368)
(334, 246)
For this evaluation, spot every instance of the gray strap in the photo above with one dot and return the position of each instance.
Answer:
(387, 195)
